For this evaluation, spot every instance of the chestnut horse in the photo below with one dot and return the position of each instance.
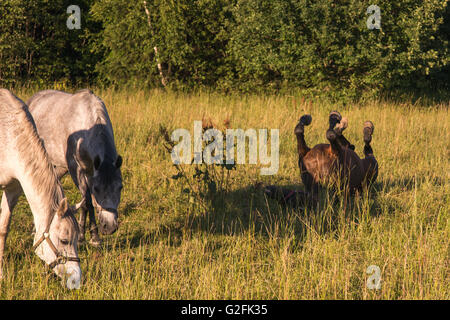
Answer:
(325, 164)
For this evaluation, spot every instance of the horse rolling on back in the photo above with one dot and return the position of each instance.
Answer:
(25, 167)
(337, 161)
(79, 139)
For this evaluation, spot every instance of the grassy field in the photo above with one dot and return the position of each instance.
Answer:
(240, 245)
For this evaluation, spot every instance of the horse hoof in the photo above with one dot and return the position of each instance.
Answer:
(335, 114)
(95, 243)
(305, 120)
(341, 126)
(331, 135)
(368, 131)
(335, 118)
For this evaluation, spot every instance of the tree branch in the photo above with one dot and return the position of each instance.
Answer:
(155, 48)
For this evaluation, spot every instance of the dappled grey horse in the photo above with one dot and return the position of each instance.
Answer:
(25, 168)
(79, 138)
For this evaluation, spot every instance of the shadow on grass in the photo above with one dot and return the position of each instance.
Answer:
(249, 210)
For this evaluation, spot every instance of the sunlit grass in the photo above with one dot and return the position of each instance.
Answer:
(246, 246)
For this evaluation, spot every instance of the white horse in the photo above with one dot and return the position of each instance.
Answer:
(79, 138)
(25, 167)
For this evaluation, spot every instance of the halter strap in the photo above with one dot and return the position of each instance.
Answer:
(60, 258)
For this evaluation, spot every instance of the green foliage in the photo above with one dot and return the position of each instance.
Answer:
(37, 47)
(322, 47)
(202, 183)
(190, 37)
(326, 45)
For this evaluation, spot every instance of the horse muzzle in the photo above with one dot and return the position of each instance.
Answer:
(108, 221)
(71, 273)
(73, 278)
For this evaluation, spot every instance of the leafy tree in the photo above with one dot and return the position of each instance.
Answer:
(326, 45)
(190, 35)
(36, 45)
(320, 46)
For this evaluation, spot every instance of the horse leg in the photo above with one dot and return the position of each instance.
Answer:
(88, 208)
(82, 223)
(75, 173)
(338, 150)
(334, 131)
(339, 125)
(368, 132)
(369, 162)
(93, 229)
(80, 180)
(9, 201)
(299, 131)
(302, 150)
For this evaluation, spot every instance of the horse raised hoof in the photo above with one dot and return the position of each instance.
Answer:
(368, 131)
(341, 126)
(331, 135)
(305, 120)
(334, 119)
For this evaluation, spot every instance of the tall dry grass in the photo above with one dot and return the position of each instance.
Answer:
(246, 246)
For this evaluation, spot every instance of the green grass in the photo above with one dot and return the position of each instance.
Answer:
(245, 246)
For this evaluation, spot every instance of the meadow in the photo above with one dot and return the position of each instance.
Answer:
(239, 244)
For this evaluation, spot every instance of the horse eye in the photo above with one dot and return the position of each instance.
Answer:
(65, 242)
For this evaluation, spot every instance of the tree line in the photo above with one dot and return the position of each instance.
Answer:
(319, 46)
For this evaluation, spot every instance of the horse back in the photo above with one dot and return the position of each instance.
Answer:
(63, 118)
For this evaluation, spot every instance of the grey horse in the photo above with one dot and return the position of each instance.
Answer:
(79, 139)
(25, 168)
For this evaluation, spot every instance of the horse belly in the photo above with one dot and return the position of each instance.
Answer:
(321, 165)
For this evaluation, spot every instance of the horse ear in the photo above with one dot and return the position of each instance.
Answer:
(63, 207)
(118, 162)
(97, 162)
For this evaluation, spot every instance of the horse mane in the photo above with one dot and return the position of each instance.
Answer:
(102, 127)
(31, 148)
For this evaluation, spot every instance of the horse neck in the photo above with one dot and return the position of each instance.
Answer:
(43, 202)
(37, 179)
(102, 142)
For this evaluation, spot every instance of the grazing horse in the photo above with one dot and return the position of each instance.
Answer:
(25, 167)
(336, 161)
(78, 136)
